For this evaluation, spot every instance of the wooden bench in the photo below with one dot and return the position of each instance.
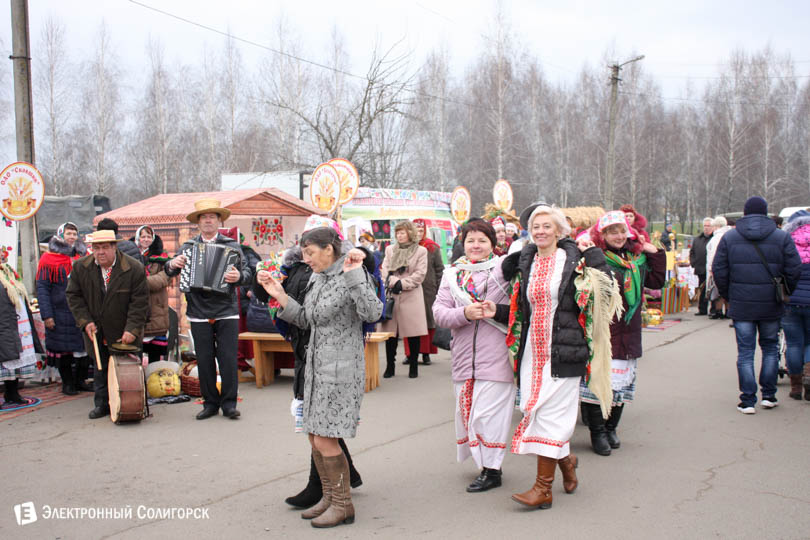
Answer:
(265, 345)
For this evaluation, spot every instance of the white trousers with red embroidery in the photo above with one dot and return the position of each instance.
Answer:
(483, 417)
(549, 415)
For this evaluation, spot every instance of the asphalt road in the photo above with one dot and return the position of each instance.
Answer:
(690, 465)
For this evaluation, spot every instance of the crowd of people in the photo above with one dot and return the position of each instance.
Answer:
(544, 317)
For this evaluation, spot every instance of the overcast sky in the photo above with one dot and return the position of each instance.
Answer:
(680, 39)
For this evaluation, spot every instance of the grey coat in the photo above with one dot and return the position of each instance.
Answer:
(335, 307)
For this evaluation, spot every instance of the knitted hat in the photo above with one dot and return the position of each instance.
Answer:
(755, 205)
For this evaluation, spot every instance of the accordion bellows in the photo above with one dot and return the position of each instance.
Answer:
(206, 267)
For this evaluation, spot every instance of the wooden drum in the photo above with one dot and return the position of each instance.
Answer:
(125, 382)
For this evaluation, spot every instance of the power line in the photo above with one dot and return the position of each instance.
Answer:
(249, 42)
(709, 101)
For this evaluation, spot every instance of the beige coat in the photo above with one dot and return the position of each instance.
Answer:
(409, 318)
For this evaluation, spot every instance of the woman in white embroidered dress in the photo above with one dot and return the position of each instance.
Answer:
(549, 345)
(473, 303)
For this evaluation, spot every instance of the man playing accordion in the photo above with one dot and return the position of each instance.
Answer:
(212, 313)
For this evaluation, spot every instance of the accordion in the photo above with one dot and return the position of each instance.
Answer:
(206, 266)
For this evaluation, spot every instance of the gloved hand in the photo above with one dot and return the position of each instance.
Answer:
(397, 288)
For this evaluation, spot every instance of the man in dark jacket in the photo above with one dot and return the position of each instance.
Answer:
(697, 259)
(666, 240)
(743, 279)
(214, 316)
(108, 296)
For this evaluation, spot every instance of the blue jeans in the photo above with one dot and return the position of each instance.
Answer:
(796, 324)
(746, 345)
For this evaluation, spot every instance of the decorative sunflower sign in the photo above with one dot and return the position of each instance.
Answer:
(21, 191)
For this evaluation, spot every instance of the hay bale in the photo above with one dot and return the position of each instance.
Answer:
(584, 216)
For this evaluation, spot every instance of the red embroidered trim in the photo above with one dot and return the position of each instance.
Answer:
(463, 441)
(543, 440)
(486, 444)
(539, 294)
(465, 402)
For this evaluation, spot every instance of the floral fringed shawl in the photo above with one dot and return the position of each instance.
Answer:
(599, 300)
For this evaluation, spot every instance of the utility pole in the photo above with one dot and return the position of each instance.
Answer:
(611, 157)
(21, 58)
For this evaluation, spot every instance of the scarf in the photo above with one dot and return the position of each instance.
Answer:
(428, 244)
(631, 266)
(464, 277)
(14, 287)
(401, 254)
(55, 267)
(462, 286)
(599, 301)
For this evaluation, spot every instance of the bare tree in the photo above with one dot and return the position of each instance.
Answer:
(54, 91)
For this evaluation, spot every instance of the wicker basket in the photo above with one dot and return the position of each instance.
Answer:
(189, 385)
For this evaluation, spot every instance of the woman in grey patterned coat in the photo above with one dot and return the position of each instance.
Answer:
(340, 298)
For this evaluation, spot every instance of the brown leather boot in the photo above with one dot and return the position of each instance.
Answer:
(795, 387)
(326, 487)
(806, 381)
(341, 510)
(568, 464)
(540, 493)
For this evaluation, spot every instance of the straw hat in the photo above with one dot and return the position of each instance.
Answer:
(208, 206)
(99, 237)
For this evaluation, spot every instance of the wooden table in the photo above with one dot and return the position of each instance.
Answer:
(265, 345)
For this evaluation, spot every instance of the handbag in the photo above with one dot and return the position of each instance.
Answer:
(258, 318)
(442, 338)
(388, 309)
(782, 293)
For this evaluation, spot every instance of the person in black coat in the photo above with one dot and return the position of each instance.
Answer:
(63, 339)
(697, 260)
(127, 247)
(744, 279)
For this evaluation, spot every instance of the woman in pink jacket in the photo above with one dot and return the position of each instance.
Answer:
(473, 303)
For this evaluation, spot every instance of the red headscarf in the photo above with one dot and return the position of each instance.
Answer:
(639, 224)
(425, 242)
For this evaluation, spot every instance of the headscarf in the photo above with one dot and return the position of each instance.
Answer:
(426, 242)
(629, 262)
(60, 232)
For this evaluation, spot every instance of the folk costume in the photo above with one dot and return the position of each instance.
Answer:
(19, 344)
(63, 343)
(482, 376)
(552, 324)
(633, 270)
(155, 339)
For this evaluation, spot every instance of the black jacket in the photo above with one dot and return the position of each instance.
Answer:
(10, 342)
(697, 255)
(569, 350)
(295, 285)
(211, 305)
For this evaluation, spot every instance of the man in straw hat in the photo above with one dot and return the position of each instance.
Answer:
(214, 317)
(108, 297)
